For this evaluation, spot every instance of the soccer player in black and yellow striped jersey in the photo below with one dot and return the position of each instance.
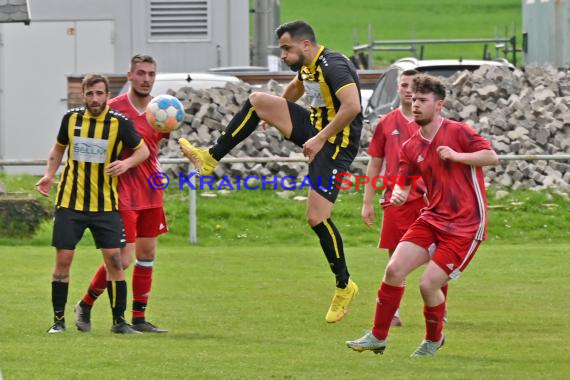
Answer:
(93, 136)
(329, 134)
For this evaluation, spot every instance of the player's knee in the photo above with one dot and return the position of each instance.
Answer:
(313, 219)
(125, 263)
(254, 98)
(258, 99)
(427, 287)
(114, 262)
(63, 264)
(394, 274)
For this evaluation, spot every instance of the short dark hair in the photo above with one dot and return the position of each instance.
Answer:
(92, 79)
(141, 58)
(425, 84)
(409, 73)
(298, 30)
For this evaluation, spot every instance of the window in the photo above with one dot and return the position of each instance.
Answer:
(385, 93)
(179, 20)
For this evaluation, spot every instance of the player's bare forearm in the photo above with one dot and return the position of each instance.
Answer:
(372, 170)
(294, 90)
(400, 195)
(138, 156)
(116, 168)
(482, 157)
(54, 160)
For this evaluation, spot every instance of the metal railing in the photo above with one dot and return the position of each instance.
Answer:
(192, 228)
(505, 45)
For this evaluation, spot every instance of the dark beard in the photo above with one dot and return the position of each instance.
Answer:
(422, 122)
(102, 108)
(140, 94)
(296, 67)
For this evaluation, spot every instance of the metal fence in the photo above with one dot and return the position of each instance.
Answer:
(507, 45)
(192, 228)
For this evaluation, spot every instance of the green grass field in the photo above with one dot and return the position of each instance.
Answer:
(258, 313)
(249, 300)
(334, 22)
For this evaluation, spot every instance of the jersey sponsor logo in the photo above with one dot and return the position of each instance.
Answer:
(420, 159)
(395, 132)
(313, 91)
(88, 149)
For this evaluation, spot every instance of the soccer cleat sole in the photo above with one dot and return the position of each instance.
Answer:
(362, 349)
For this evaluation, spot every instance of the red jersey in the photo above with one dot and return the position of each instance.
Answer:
(135, 193)
(392, 130)
(456, 192)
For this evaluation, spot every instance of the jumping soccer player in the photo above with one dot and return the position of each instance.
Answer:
(329, 134)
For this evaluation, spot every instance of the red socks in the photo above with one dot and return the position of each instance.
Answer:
(97, 286)
(434, 321)
(388, 302)
(142, 283)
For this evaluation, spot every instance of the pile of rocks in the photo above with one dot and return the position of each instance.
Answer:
(519, 112)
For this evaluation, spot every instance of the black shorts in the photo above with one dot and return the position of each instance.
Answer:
(105, 226)
(329, 162)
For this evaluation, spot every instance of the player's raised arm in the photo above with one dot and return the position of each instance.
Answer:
(294, 90)
(349, 108)
(484, 157)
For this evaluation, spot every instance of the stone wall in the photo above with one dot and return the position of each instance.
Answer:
(519, 112)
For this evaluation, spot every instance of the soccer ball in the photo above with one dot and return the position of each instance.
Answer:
(165, 113)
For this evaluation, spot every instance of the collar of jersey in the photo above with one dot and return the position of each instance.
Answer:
(312, 65)
(101, 115)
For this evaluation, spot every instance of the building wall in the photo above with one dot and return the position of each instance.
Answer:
(229, 30)
(547, 24)
(74, 37)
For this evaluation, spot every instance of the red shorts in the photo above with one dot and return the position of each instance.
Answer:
(396, 221)
(452, 253)
(149, 222)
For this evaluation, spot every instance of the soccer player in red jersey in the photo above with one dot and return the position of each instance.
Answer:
(140, 206)
(448, 155)
(392, 130)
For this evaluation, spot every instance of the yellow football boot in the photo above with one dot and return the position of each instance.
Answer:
(200, 157)
(340, 302)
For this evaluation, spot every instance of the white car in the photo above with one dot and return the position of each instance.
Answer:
(385, 95)
(174, 81)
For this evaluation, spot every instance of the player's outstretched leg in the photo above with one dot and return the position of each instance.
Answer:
(241, 126)
(368, 343)
(200, 157)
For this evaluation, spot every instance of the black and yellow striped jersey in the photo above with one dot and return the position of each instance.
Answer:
(330, 72)
(93, 142)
